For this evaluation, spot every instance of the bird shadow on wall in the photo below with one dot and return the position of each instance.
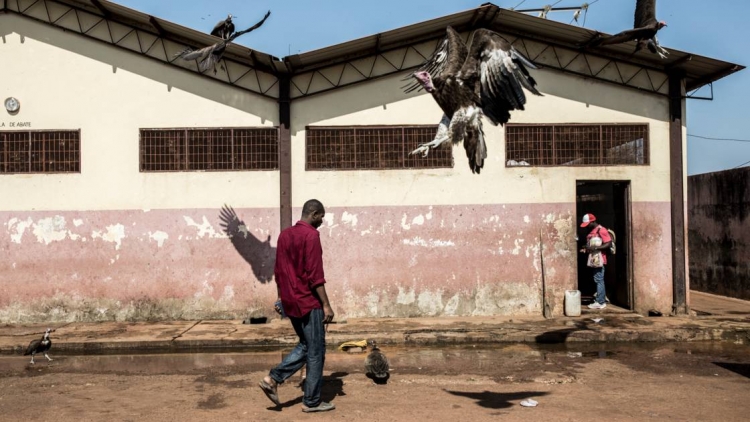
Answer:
(258, 253)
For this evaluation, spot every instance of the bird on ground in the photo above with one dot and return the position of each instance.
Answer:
(209, 56)
(485, 78)
(643, 33)
(376, 365)
(224, 29)
(41, 345)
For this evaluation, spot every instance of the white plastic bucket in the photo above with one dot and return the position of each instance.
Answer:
(573, 302)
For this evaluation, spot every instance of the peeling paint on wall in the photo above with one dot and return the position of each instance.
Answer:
(350, 219)
(431, 243)
(51, 229)
(115, 234)
(19, 226)
(159, 237)
(204, 228)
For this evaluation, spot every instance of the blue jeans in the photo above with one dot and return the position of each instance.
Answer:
(601, 295)
(311, 350)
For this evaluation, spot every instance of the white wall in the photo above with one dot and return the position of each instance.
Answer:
(66, 81)
(567, 99)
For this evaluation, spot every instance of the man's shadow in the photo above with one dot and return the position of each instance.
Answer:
(259, 254)
(333, 386)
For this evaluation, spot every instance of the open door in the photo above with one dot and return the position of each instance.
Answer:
(609, 201)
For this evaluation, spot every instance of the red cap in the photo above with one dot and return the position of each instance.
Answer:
(587, 219)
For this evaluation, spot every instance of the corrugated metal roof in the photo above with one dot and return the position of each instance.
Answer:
(699, 70)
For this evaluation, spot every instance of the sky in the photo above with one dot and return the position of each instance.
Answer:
(720, 31)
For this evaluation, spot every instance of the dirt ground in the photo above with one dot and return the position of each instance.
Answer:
(706, 382)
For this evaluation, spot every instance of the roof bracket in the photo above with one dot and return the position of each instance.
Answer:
(692, 96)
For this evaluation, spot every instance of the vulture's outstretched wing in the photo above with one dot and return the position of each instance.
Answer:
(448, 57)
(502, 75)
(252, 28)
(205, 56)
(621, 37)
(208, 56)
(645, 13)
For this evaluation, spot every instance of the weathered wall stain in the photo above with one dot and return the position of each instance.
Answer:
(404, 261)
(719, 232)
(133, 265)
(652, 254)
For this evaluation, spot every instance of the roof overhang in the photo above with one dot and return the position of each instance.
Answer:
(697, 70)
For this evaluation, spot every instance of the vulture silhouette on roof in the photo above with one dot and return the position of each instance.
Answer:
(41, 345)
(208, 57)
(224, 29)
(643, 33)
(485, 78)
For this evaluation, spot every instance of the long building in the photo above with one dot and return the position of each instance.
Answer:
(136, 187)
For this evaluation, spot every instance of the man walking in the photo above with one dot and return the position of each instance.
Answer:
(597, 230)
(301, 287)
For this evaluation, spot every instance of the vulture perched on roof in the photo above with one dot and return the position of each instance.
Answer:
(40, 346)
(485, 78)
(643, 33)
(208, 56)
(224, 29)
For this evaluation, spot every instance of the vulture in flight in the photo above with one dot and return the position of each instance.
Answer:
(208, 56)
(643, 33)
(485, 78)
(41, 345)
(224, 29)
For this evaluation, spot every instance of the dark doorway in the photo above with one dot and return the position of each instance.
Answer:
(609, 201)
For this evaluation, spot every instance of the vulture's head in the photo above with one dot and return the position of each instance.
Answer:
(229, 18)
(425, 79)
(662, 24)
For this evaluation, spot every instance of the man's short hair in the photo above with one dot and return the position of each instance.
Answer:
(311, 206)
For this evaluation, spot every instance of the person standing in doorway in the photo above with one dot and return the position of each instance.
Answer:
(593, 247)
(301, 288)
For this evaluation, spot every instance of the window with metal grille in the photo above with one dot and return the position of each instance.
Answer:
(40, 151)
(576, 145)
(372, 148)
(209, 149)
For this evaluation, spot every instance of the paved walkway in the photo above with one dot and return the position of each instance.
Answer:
(191, 335)
(708, 304)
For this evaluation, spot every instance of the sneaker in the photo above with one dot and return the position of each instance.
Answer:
(322, 407)
(597, 305)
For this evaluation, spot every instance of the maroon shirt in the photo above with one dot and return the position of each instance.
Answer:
(299, 269)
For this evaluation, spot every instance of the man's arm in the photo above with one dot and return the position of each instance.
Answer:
(314, 270)
(320, 290)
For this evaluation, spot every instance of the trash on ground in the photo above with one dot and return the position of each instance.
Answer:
(575, 354)
(529, 403)
(597, 320)
(361, 344)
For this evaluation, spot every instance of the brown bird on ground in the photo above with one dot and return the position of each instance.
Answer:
(376, 365)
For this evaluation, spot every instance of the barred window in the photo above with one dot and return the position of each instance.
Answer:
(209, 149)
(576, 145)
(373, 148)
(40, 151)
